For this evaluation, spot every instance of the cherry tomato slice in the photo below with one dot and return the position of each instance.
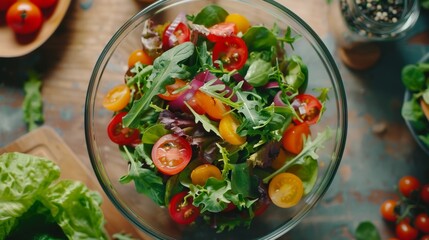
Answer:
(219, 31)
(117, 98)
(171, 154)
(285, 190)
(120, 135)
(24, 17)
(228, 130)
(408, 184)
(182, 211)
(293, 137)
(232, 52)
(213, 107)
(139, 55)
(387, 210)
(171, 93)
(405, 231)
(173, 37)
(203, 172)
(308, 109)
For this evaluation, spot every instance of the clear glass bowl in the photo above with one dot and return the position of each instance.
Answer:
(109, 166)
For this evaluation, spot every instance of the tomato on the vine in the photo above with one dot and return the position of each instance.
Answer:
(308, 108)
(285, 190)
(182, 210)
(117, 98)
(202, 173)
(228, 126)
(139, 55)
(170, 93)
(122, 135)
(232, 52)
(404, 231)
(387, 210)
(172, 37)
(407, 185)
(171, 154)
(424, 193)
(24, 17)
(293, 137)
(221, 30)
(421, 222)
(44, 3)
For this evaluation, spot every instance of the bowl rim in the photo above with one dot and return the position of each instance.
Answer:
(342, 117)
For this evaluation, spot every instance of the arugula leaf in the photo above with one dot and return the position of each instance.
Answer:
(165, 69)
(367, 231)
(212, 196)
(288, 38)
(145, 180)
(32, 105)
(205, 121)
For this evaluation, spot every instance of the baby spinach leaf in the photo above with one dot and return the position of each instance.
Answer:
(413, 78)
(307, 171)
(165, 69)
(258, 73)
(210, 15)
(367, 231)
(259, 38)
(153, 133)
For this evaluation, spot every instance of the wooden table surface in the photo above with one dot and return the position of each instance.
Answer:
(373, 160)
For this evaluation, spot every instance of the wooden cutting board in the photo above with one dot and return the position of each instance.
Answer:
(45, 142)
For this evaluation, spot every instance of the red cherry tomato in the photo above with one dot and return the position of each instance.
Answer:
(232, 52)
(120, 135)
(421, 222)
(173, 37)
(181, 210)
(425, 237)
(171, 154)
(24, 17)
(44, 3)
(293, 138)
(424, 193)
(387, 210)
(404, 231)
(5, 4)
(408, 184)
(308, 108)
(170, 93)
(221, 30)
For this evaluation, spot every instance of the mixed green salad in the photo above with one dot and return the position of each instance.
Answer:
(35, 205)
(214, 119)
(415, 77)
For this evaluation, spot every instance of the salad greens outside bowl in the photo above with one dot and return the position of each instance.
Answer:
(114, 171)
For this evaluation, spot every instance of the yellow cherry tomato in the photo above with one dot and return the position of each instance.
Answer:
(139, 56)
(203, 172)
(285, 190)
(228, 130)
(241, 21)
(117, 98)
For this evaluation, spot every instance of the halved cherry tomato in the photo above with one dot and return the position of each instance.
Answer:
(219, 31)
(241, 21)
(171, 154)
(228, 130)
(181, 210)
(170, 93)
(117, 98)
(139, 55)
(44, 3)
(5, 4)
(293, 137)
(232, 52)
(387, 210)
(285, 190)
(203, 172)
(405, 231)
(213, 107)
(408, 184)
(308, 108)
(24, 17)
(173, 37)
(120, 135)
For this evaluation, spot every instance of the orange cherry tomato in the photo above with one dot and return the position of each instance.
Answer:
(285, 190)
(240, 21)
(139, 56)
(170, 94)
(202, 173)
(117, 98)
(228, 130)
(213, 107)
(24, 17)
(293, 137)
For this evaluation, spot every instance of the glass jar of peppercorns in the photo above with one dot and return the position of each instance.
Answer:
(355, 23)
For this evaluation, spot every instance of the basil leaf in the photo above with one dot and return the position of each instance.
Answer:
(259, 38)
(258, 73)
(367, 231)
(165, 69)
(210, 16)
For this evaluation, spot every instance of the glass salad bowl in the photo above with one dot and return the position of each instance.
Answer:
(267, 60)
